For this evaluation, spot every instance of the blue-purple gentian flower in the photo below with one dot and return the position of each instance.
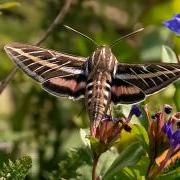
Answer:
(173, 135)
(135, 110)
(174, 24)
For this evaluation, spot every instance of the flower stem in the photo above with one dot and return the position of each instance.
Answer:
(162, 165)
(95, 161)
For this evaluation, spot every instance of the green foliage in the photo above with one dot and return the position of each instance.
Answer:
(138, 134)
(17, 170)
(72, 164)
(128, 157)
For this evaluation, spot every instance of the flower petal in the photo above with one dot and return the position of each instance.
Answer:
(135, 110)
(177, 16)
(167, 128)
(174, 24)
(176, 136)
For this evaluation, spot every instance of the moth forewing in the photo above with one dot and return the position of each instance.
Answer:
(45, 65)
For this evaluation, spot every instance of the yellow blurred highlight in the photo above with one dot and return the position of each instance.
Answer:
(6, 102)
(176, 6)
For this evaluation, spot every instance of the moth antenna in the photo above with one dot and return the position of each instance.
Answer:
(126, 36)
(78, 32)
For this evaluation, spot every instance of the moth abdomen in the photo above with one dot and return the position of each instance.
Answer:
(98, 96)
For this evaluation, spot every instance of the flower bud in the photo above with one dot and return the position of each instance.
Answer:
(135, 110)
(167, 109)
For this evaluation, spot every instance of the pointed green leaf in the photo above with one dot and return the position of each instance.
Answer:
(128, 157)
(138, 134)
(106, 159)
(168, 55)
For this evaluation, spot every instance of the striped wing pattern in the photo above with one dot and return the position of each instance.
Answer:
(125, 93)
(131, 81)
(62, 74)
(59, 74)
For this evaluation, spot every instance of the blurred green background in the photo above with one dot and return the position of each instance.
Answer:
(34, 123)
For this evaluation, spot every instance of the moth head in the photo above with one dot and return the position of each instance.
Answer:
(102, 59)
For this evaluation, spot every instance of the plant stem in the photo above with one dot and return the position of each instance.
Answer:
(8, 78)
(157, 171)
(163, 163)
(95, 161)
(58, 20)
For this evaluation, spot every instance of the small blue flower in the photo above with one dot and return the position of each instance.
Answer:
(168, 130)
(176, 137)
(173, 136)
(174, 24)
(135, 110)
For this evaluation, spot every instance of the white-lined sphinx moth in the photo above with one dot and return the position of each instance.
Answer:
(99, 78)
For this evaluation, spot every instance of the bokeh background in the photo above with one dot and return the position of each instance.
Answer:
(34, 123)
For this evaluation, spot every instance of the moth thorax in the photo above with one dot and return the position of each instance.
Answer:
(102, 60)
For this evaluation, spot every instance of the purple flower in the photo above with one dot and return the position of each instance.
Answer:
(168, 130)
(173, 136)
(135, 110)
(174, 24)
(107, 130)
(176, 136)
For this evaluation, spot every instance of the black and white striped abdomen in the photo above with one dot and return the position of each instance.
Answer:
(98, 95)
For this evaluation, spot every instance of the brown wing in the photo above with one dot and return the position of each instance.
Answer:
(150, 78)
(59, 74)
(123, 92)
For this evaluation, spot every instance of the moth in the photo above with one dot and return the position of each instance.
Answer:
(99, 78)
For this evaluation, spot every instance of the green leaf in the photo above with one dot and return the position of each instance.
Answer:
(136, 172)
(168, 55)
(138, 134)
(128, 157)
(16, 170)
(75, 165)
(9, 5)
(106, 159)
(141, 134)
